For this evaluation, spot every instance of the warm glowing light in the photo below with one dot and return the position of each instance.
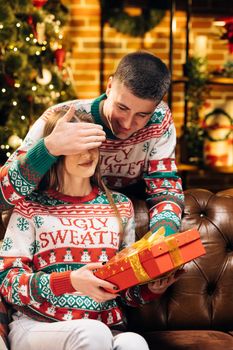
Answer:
(18, 25)
(23, 117)
(34, 88)
(3, 90)
(37, 53)
(14, 103)
(51, 86)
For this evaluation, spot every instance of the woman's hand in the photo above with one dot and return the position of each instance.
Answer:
(160, 285)
(86, 283)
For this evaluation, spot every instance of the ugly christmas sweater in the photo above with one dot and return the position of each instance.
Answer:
(51, 234)
(148, 154)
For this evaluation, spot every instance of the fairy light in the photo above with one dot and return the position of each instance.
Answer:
(34, 88)
(14, 103)
(51, 86)
(31, 35)
(43, 48)
(18, 25)
(17, 85)
(2, 146)
(60, 36)
(27, 38)
(45, 42)
(7, 146)
(8, 154)
(3, 90)
(22, 117)
(15, 49)
(37, 53)
(35, 40)
(1, 26)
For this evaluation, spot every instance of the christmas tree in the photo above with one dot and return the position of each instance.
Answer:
(34, 73)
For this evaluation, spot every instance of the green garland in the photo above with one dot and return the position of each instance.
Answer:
(127, 24)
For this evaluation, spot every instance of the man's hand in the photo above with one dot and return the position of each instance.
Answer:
(86, 283)
(72, 138)
(160, 285)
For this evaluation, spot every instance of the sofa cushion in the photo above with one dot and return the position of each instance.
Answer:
(191, 340)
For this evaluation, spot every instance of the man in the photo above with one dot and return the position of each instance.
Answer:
(134, 130)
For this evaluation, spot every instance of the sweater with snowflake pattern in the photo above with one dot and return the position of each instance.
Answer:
(51, 234)
(147, 154)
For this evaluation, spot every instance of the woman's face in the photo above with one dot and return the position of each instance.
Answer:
(83, 164)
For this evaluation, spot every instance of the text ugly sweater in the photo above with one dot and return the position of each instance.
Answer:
(148, 154)
(51, 234)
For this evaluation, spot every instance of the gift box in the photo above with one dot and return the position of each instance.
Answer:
(151, 257)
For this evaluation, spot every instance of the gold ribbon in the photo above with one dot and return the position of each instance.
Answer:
(146, 242)
(138, 269)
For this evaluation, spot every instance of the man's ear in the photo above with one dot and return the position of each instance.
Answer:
(109, 85)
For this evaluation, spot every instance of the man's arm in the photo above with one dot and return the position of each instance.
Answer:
(26, 167)
(164, 187)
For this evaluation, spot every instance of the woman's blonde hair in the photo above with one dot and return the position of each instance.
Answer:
(53, 178)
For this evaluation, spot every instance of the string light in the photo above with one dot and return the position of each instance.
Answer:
(37, 53)
(43, 48)
(18, 25)
(14, 103)
(3, 90)
(23, 117)
(35, 40)
(8, 154)
(34, 88)
(1, 26)
(2, 146)
(17, 85)
(51, 86)
(15, 49)
(27, 38)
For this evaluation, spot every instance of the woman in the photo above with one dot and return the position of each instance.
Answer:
(55, 239)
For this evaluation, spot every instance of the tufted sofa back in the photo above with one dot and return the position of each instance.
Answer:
(203, 297)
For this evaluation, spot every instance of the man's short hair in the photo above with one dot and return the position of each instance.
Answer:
(144, 74)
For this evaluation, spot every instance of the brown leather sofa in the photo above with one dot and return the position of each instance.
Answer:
(196, 313)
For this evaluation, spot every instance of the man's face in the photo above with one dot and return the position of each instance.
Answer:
(124, 111)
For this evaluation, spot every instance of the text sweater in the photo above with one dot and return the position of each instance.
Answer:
(148, 154)
(51, 234)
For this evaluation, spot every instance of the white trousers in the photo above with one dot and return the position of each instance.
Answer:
(84, 334)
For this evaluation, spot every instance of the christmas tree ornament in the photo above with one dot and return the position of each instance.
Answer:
(9, 80)
(40, 29)
(31, 22)
(60, 55)
(14, 141)
(45, 77)
(39, 3)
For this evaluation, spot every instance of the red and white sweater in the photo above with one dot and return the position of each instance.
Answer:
(51, 234)
(148, 154)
